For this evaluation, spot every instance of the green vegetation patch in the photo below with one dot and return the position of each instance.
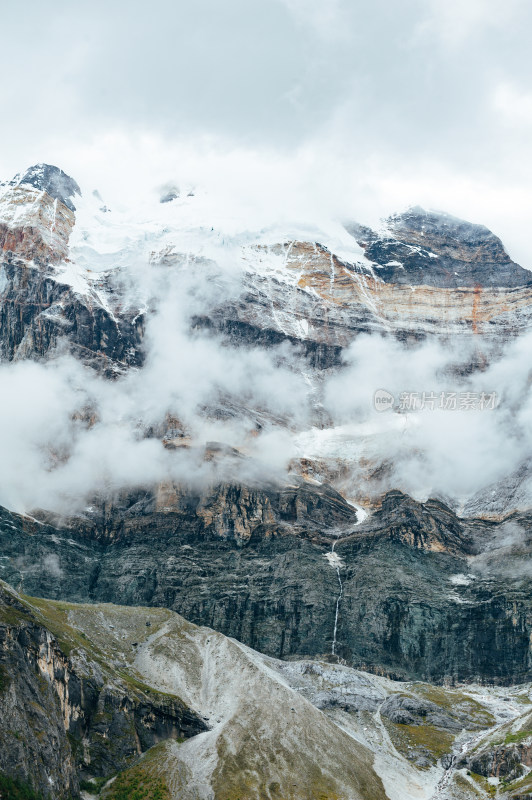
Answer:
(410, 739)
(138, 783)
(15, 789)
(9, 615)
(155, 694)
(524, 699)
(242, 774)
(93, 786)
(483, 782)
(54, 616)
(5, 680)
(505, 736)
(520, 786)
(465, 786)
(450, 699)
(512, 738)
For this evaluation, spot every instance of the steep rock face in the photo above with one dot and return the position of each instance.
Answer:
(37, 214)
(38, 310)
(226, 512)
(34, 746)
(435, 249)
(506, 762)
(425, 274)
(42, 299)
(51, 180)
(34, 225)
(429, 526)
(305, 294)
(414, 601)
(65, 710)
(510, 495)
(252, 562)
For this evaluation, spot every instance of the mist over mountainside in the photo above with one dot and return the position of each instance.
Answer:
(299, 328)
(190, 420)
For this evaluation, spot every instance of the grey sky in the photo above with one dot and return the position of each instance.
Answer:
(418, 95)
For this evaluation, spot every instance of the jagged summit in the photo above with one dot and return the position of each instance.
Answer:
(433, 248)
(37, 214)
(449, 234)
(52, 180)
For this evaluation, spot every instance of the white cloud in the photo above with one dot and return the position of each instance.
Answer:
(329, 21)
(451, 452)
(514, 105)
(455, 21)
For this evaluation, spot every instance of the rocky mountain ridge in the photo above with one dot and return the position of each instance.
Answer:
(456, 279)
(432, 248)
(261, 567)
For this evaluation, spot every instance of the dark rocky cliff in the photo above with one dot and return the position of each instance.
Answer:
(38, 312)
(40, 308)
(51, 180)
(66, 711)
(429, 248)
(253, 564)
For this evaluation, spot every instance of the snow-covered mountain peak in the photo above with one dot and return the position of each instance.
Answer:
(52, 180)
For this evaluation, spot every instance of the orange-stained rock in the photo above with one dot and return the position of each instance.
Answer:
(34, 226)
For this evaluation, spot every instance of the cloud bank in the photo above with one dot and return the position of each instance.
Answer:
(68, 434)
(346, 107)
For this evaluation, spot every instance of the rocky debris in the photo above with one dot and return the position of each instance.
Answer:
(65, 711)
(346, 701)
(330, 686)
(431, 728)
(424, 730)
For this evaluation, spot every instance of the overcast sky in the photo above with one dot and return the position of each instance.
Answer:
(366, 107)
